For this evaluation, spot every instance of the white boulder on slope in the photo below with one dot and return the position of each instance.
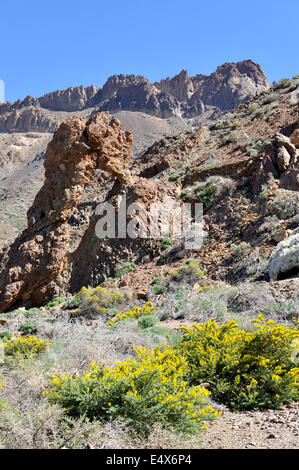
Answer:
(285, 257)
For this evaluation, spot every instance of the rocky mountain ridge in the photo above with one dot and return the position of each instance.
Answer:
(181, 96)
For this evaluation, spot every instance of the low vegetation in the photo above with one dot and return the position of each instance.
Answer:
(130, 375)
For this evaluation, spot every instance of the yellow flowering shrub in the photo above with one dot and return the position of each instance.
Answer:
(2, 402)
(25, 346)
(189, 272)
(141, 391)
(135, 312)
(98, 300)
(245, 370)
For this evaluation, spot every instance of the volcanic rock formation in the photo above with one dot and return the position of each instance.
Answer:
(38, 255)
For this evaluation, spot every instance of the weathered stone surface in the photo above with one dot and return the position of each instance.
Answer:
(40, 253)
(262, 172)
(284, 262)
(180, 86)
(283, 159)
(275, 166)
(136, 93)
(162, 154)
(230, 85)
(72, 99)
(295, 138)
(283, 141)
(31, 118)
(95, 259)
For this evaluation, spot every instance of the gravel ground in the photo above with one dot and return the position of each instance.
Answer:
(268, 429)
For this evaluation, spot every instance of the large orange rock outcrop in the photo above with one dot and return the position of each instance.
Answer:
(33, 263)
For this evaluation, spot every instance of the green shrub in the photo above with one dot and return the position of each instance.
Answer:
(207, 196)
(147, 321)
(181, 292)
(259, 113)
(191, 261)
(189, 272)
(285, 204)
(235, 124)
(232, 137)
(263, 194)
(253, 107)
(2, 402)
(159, 289)
(32, 312)
(255, 148)
(156, 280)
(209, 191)
(184, 193)
(216, 125)
(158, 286)
(72, 303)
(98, 300)
(166, 243)
(245, 370)
(5, 335)
(282, 83)
(28, 329)
(125, 268)
(270, 98)
(164, 258)
(54, 302)
(241, 250)
(174, 177)
(140, 391)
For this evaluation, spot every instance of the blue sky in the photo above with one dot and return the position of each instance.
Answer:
(50, 45)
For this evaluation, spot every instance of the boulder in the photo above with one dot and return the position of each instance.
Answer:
(284, 261)
(282, 159)
(283, 141)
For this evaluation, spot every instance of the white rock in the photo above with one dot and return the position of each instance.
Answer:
(285, 257)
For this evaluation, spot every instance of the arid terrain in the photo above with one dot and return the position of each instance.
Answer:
(229, 141)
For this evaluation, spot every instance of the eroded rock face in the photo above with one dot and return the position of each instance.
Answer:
(180, 86)
(295, 136)
(276, 166)
(38, 256)
(162, 154)
(29, 118)
(230, 85)
(136, 93)
(95, 259)
(72, 99)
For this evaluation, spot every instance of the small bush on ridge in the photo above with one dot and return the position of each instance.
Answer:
(125, 268)
(54, 302)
